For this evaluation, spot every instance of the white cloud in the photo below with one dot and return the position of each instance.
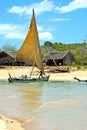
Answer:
(75, 4)
(47, 5)
(18, 9)
(61, 19)
(12, 31)
(40, 28)
(43, 6)
(46, 36)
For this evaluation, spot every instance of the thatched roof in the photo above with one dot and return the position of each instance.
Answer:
(57, 55)
(9, 53)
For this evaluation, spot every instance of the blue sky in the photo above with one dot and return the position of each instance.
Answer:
(57, 20)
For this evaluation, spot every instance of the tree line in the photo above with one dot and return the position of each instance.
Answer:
(79, 50)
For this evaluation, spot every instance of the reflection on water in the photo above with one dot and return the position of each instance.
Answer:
(30, 98)
(22, 99)
(46, 105)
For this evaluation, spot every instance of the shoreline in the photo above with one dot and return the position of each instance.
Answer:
(59, 76)
(9, 123)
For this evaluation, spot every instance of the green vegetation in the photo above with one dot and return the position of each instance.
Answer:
(8, 47)
(79, 50)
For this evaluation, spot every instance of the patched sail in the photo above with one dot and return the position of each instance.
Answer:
(30, 50)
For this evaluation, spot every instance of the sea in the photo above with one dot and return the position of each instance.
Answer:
(46, 105)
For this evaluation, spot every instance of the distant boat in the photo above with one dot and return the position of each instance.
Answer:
(30, 52)
(80, 80)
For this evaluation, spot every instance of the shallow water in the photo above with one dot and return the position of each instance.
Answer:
(50, 105)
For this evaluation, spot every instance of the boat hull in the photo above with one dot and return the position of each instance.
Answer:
(80, 79)
(27, 80)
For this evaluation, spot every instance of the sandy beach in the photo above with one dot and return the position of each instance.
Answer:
(59, 76)
(10, 124)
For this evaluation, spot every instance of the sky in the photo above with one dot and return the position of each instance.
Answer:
(62, 21)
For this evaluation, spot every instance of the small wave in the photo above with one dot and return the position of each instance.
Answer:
(68, 103)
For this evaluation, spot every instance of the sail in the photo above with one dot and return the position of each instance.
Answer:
(30, 50)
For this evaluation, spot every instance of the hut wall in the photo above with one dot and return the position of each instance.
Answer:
(67, 59)
(6, 61)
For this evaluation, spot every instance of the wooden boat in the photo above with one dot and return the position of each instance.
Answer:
(80, 80)
(60, 70)
(30, 52)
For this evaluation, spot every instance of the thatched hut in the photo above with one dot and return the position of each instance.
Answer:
(59, 58)
(7, 58)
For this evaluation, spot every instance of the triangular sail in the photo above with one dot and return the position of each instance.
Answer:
(30, 50)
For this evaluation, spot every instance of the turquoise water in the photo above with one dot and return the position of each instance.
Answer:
(47, 105)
